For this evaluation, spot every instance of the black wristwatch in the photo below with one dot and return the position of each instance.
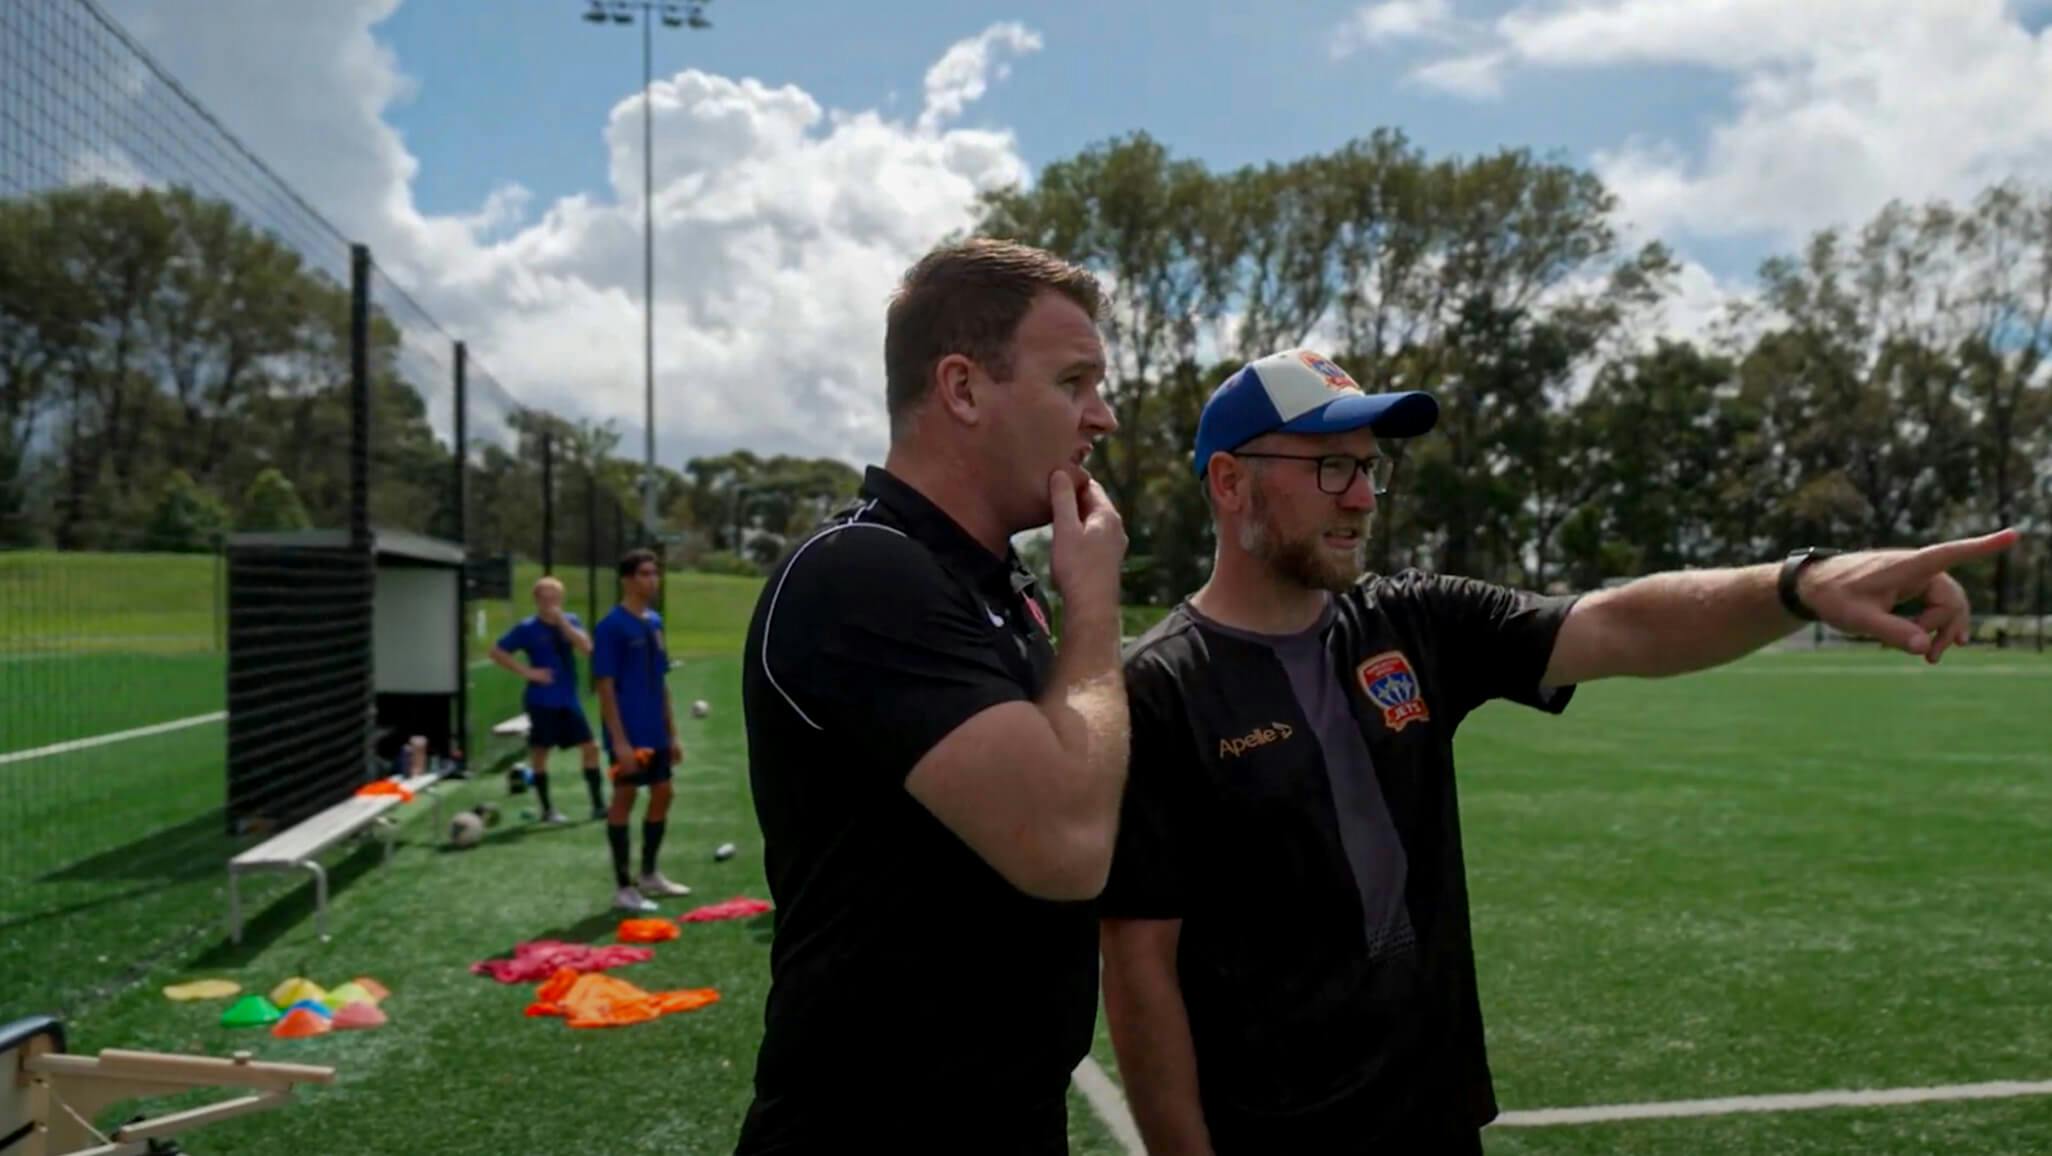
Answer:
(1791, 569)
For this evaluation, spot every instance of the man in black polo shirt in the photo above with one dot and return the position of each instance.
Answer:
(938, 792)
(1288, 967)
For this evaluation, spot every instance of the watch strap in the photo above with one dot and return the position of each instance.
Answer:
(1791, 570)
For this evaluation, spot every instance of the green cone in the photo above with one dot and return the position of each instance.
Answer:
(251, 1011)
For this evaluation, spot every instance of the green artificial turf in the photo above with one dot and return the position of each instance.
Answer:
(1802, 872)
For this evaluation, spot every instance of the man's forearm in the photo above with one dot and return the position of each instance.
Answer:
(1688, 620)
(609, 712)
(1085, 703)
(1150, 1030)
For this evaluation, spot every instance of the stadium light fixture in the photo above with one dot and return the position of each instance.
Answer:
(673, 15)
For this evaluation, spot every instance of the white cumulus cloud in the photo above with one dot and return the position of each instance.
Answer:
(1392, 21)
(1838, 106)
(963, 74)
(781, 226)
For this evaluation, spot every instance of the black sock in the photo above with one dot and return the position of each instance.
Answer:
(591, 783)
(541, 789)
(651, 839)
(616, 834)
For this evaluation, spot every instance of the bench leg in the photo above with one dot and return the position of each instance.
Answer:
(234, 906)
(320, 898)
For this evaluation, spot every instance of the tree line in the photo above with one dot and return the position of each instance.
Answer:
(1888, 385)
(168, 372)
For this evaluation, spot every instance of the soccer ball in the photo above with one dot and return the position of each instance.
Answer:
(723, 852)
(466, 830)
(700, 709)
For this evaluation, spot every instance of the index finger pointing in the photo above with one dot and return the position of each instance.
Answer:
(1946, 555)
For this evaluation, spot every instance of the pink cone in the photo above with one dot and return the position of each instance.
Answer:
(359, 1015)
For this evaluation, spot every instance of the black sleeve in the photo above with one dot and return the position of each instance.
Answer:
(871, 642)
(1151, 874)
(1493, 641)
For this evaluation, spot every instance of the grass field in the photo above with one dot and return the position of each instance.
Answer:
(113, 853)
(1802, 872)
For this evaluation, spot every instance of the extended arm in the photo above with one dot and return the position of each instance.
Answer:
(1675, 623)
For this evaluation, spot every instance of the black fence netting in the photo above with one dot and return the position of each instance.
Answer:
(261, 515)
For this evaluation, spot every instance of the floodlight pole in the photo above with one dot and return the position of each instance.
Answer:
(674, 14)
(648, 497)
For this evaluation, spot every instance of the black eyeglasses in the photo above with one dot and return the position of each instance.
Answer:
(1336, 471)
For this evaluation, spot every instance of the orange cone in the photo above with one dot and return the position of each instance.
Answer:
(300, 1022)
(647, 930)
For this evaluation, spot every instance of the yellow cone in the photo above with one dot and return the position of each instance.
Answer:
(202, 989)
(295, 989)
(349, 993)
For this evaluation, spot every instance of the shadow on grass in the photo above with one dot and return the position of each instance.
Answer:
(590, 929)
(507, 833)
(21, 921)
(161, 861)
(294, 908)
(189, 850)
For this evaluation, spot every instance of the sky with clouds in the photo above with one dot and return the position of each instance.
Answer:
(807, 151)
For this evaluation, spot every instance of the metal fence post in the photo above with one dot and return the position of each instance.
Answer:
(2044, 556)
(462, 743)
(548, 543)
(359, 396)
(591, 541)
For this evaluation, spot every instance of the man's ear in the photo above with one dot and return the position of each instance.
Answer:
(1228, 479)
(955, 377)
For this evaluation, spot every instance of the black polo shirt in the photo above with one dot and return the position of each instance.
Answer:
(916, 996)
(1291, 800)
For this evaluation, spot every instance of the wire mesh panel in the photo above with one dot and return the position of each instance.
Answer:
(412, 418)
(299, 677)
(240, 463)
(174, 368)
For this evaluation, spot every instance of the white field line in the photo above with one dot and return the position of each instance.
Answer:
(66, 748)
(1911, 667)
(1788, 1102)
(1110, 1105)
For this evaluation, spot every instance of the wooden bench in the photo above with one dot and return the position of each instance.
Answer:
(297, 847)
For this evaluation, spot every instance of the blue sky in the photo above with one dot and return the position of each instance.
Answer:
(807, 151)
(518, 95)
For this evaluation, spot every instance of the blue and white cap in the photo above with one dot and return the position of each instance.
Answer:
(1301, 391)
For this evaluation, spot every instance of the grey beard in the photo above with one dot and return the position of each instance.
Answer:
(1301, 562)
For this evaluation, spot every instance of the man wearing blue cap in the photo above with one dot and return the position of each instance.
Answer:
(1287, 958)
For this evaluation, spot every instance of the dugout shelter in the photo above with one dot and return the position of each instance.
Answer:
(341, 647)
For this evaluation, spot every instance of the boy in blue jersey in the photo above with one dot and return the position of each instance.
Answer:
(552, 638)
(630, 665)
